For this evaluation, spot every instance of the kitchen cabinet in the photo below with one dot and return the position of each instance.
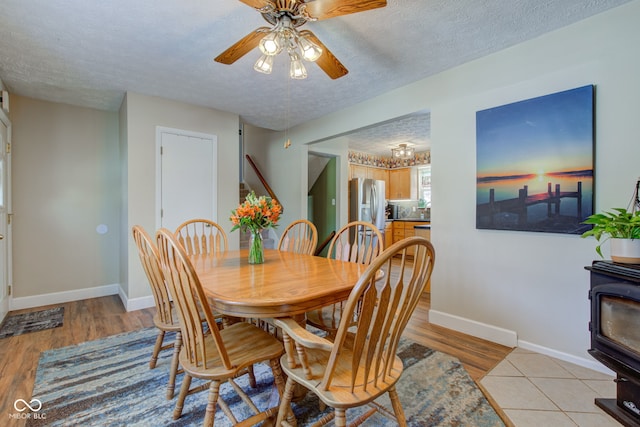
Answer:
(367, 172)
(424, 232)
(378, 173)
(398, 231)
(400, 183)
(409, 231)
(358, 171)
(388, 234)
(403, 229)
(383, 175)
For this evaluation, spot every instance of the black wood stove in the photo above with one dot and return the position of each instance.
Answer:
(615, 334)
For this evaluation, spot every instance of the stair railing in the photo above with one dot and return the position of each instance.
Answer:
(264, 182)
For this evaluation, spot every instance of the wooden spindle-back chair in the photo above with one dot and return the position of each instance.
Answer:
(361, 363)
(360, 242)
(217, 355)
(165, 319)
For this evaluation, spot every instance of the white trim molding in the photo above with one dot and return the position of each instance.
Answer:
(132, 304)
(474, 328)
(62, 297)
(576, 360)
(509, 338)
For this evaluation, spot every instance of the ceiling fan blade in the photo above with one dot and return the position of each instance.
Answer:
(257, 4)
(327, 61)
(242, 46)
(324, 9)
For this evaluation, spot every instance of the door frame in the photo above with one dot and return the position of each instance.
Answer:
(342, 168)
(7, 290)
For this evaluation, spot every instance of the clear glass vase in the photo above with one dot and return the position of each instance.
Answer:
(256, 248)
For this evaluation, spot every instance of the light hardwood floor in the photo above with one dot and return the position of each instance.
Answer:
(100, 317)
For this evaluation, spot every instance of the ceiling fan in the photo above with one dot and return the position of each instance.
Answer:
(285, 17)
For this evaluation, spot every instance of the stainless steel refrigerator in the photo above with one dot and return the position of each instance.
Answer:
(366, 202)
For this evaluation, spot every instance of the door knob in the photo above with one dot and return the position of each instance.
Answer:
(1, 236)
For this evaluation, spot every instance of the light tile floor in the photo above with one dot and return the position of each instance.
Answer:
(536, 390)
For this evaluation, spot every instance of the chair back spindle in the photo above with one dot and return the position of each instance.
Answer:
(202, 237)
(300, 236)
(358, 242)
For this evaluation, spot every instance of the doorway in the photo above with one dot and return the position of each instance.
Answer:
(322, 193)
(187, 184)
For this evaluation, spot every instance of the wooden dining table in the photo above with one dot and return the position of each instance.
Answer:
(285, 285)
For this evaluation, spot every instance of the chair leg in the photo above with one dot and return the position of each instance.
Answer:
(285, 404)
(397, 407)
(252, 377)
(210, 414)
(341, 417)
(173, 372)
(184, 390)
(277, 376)
(156, 349)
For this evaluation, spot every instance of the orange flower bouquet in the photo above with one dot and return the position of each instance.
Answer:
(254, 215)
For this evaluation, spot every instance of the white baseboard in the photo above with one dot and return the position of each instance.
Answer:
(576, 360)
(474, 328)
(509, 338)
(132, 304)
(61, 297)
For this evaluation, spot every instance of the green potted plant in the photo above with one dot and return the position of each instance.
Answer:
(622, 228)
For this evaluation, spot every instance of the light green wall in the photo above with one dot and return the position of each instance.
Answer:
(323, 191)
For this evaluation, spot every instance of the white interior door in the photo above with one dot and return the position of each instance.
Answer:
(188, 179)
(4, 227)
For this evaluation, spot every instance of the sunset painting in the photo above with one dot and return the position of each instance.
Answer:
(535, 163)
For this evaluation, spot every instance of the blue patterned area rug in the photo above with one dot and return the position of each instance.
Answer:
(108, 383)
(17, 324)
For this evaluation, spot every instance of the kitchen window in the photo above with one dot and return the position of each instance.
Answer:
(424, 186)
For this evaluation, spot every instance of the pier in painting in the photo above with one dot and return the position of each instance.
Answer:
(499, 214)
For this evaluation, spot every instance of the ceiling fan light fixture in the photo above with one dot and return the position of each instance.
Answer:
(402, 152)
(297, 69)
(264, 64)
(310, 51)
(269, 45)
(285, 18)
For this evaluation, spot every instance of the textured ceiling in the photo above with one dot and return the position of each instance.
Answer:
(413, 130)
(89, 53)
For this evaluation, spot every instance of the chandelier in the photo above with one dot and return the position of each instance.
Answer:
(402, 152)
(284, 37)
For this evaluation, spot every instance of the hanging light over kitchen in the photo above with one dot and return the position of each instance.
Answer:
(402, 152)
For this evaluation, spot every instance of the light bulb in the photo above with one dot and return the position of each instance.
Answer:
(297, 70)
(269, 44)
(264, 64)
(310, 51)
